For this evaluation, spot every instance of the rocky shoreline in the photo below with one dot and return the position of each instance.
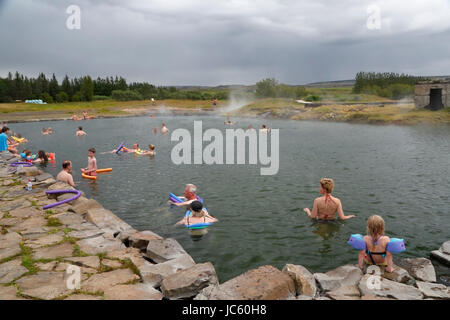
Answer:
(39, 249)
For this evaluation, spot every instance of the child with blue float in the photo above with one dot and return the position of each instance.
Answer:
(376, 248)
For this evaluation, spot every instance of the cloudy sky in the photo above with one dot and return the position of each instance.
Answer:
(213, 42)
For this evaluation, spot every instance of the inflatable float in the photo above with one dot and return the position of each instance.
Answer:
(176, 199)
(396, 245)
(19, 140)
(25, 164)
(201, 225)
(86, 176)
(76, 196)
(120, 147)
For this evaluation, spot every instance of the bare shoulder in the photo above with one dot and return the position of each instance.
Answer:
(385, 239)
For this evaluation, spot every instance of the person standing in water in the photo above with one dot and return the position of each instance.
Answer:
(190, 195)
(91, 169)
(164, 129)
(325, 207)
(80, 132)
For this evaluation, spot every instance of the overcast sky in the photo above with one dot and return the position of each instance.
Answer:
(213, 42)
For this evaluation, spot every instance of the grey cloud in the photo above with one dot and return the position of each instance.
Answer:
(222, 42)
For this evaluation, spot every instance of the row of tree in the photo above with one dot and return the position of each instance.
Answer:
(388, 84)
(20, 87)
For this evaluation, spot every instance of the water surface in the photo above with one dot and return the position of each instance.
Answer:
(400, 173)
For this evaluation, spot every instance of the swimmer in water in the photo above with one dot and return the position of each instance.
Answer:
(164, 129)
(150, 151)
(91, 169)
(65, 174)
(198, 215)
(41, 157)
(44, 131)
(189, 196)
(155, 130)
(49, 130)
(325, 207)
(80, 132)
(264, 128)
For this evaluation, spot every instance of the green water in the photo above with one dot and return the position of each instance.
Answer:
(400, 173)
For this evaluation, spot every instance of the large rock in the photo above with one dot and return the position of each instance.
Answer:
(99, 245)
(83, 205)
(89, 262)
(59, 251)
(68, 218)
(59, 185)
(342, 276)
(441, 257)
(84, 230)
(399, 275)
(11, 205)
(189, 282)
(305, 284)
(46, 240)
(9, 252)
(31, 223)
(433, 290)
(162, 250)
(83, 297)
(345, 293)
(139, 291)
(106, 220)
(11, 270)
(9, 222)
(24, 213)
(445, 248)
(10, 239)
(387, 288)
(154, 273)
(43, 177)
(420, 268)
(102, 281)
(140, 239)
(29, 171)
(44, 285)
(9, 293)
(264, 283)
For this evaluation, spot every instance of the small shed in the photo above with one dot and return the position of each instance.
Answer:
(433, 95)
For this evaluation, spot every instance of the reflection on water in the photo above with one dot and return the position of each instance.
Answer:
(400, 173)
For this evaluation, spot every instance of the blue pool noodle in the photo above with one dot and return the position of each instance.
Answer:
(174, 198)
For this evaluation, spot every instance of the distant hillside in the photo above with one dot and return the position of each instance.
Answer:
(323, 84)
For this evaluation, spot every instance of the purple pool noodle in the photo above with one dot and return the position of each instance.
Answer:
(25, 164)
(78, 194)
(120, 147)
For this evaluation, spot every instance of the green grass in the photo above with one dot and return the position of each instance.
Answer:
(53, 222)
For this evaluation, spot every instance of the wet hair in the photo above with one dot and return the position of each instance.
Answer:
(44, 129)
(65, 164)
(264, 126)
(375, 226)
(4, 129)
(92, 150)
(28, 153)
(80, 128)
(42, 155)
(151, 146)
(196, 208)
(327, 184)
(191, 188)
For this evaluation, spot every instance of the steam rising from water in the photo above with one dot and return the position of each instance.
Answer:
(238, 98)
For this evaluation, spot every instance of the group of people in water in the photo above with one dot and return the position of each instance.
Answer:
(84, 117)
(325, 208)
